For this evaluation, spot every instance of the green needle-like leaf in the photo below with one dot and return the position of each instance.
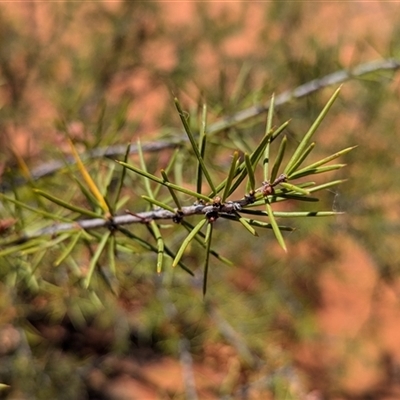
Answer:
(292, 196)
(122, 176)
(167, 184)
(293, 214)
(282, 196)
(188, 239)
(208, 248)
(251, 184)
(275, 227)
(143, 243)
(91, 199)
(149, 246)
(108, 180)
(268, 128)
(36, 243)
(314, 171)
(258, 152)
(153, 225)
(294, 188)
(111, 254)
(172, 193)
(202, 146)
(68, 249)
(35, 210)
(302, 185)
(325, 160)
(32, 248)
(95, 258)
(160, 245)
(255, 157)
(244, 222)
(304, 142)
(158, 203)
(167, 170)
(199, 240)
(302, 157)
(37, 261)
(231, 175)
(254, 222)
(144, 168)
(67, 205)
(261, 224)
(327, 185)
(194, 146)
(278, 160)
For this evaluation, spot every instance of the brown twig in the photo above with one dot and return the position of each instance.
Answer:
(229, 207)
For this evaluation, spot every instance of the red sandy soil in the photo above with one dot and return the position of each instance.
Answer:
(359, 319)
(356, 348)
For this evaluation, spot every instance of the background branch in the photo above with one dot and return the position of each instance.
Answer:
(306, 89)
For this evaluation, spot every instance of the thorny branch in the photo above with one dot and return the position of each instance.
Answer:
(211, 211)
(251, 112)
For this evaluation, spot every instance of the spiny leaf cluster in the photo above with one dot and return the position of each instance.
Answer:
(253, 208)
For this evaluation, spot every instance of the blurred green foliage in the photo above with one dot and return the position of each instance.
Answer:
(91, 70)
